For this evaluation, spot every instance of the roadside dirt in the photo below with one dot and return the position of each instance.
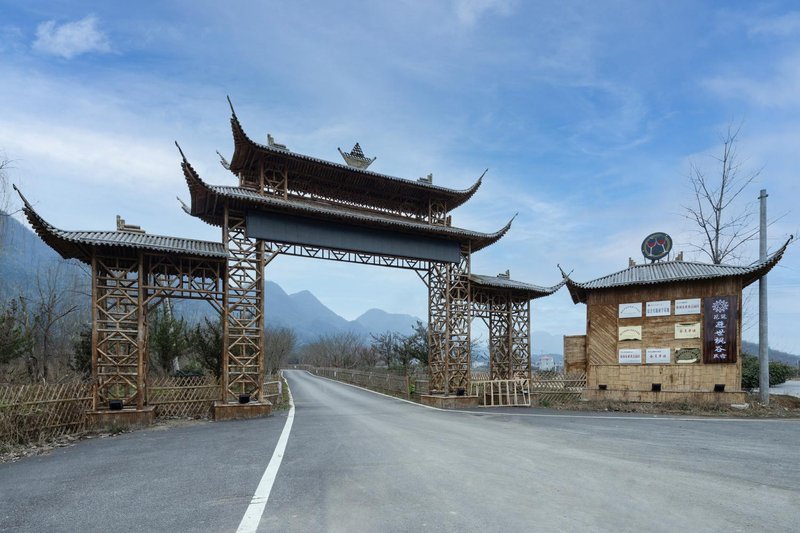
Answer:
(10, 453)
(779, 407)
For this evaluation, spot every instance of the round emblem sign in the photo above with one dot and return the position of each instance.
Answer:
(656, 246)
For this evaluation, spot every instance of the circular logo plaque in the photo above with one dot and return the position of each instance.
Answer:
(656, 246)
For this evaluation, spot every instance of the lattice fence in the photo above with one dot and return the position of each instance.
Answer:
(502, 392)
(557, 388)
(190, 396)
(32, 412)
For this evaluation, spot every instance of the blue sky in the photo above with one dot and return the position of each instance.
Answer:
(587, 115)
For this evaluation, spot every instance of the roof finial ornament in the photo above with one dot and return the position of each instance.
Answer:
(223, 161)
(505, 275)
(127, 228)
(272, 144)
(426, 179)
(356, 158)
(186, 208)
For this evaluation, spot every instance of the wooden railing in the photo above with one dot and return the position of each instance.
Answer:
(502, 392)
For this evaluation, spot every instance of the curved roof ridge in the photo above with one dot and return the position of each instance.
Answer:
(71, 244)
(505, 283)
(460, 196)
(204, 203)
(673, 271)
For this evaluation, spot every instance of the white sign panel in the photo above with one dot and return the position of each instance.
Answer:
(660, 308)
(630, 310)
(630, 356)
(687, 307)
(657, 356)
(687, 331)
(630, 333)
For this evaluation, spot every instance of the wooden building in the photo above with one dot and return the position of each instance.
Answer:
(663, 331)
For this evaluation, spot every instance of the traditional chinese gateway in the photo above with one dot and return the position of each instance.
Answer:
(292, 204)
(663, 331)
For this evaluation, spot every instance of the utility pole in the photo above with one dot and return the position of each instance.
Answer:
(763, 343)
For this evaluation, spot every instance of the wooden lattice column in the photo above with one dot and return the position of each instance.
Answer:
(119, 338)
(499, 337)
(520, 338)
(449, 316)
(243, 324)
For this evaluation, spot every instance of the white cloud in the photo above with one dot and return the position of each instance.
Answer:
(71, 38)
(779, 91)
(782, 26)
(469, 11)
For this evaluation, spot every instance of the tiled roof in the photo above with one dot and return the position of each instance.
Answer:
(673, 271)
(75, 244)
(340, 177)
(498, 283)
(206, 205)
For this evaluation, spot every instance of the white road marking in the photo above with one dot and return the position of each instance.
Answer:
(258, 503)
(553, 415)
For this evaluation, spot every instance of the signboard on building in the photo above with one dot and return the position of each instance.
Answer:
(630, 356)
(657, 356)
(687, 330)
(630, 333)
(660, 308)
(633, 310)
(720, 329)
(687, 307)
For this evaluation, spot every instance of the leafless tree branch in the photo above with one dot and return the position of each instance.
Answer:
(723, 228)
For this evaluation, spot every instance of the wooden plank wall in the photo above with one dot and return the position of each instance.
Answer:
(575, 353)
(657, 332)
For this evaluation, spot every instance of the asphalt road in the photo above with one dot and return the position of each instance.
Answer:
(357, 461)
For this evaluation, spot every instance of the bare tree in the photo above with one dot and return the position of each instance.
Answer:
(723, 227)
(278, 344)
(339, 350)
(386, 347)
(53, 301)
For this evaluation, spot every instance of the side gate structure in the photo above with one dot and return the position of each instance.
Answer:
(504, 305)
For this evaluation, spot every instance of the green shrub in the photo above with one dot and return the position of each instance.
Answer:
(778, 372)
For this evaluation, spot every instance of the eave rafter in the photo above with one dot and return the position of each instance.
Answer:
(208, 202)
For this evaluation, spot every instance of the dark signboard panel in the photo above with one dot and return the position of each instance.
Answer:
(337, 236)
(720, 314)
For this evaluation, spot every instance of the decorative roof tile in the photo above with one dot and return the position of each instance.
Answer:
(76, 244)
(340, 177)
(206, 204)
(502, 283)
(671, 272)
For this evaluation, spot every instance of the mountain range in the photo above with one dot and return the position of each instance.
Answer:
(23, 257)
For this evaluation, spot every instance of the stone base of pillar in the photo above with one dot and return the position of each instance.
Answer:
(128, 417)
(234, 411)
(449, 402)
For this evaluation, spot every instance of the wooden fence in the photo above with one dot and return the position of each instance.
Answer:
(33, 412)
(546, 388)
(557, 388)
(410, 387)
(502, 392)
(183, 397)
(30, 413)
